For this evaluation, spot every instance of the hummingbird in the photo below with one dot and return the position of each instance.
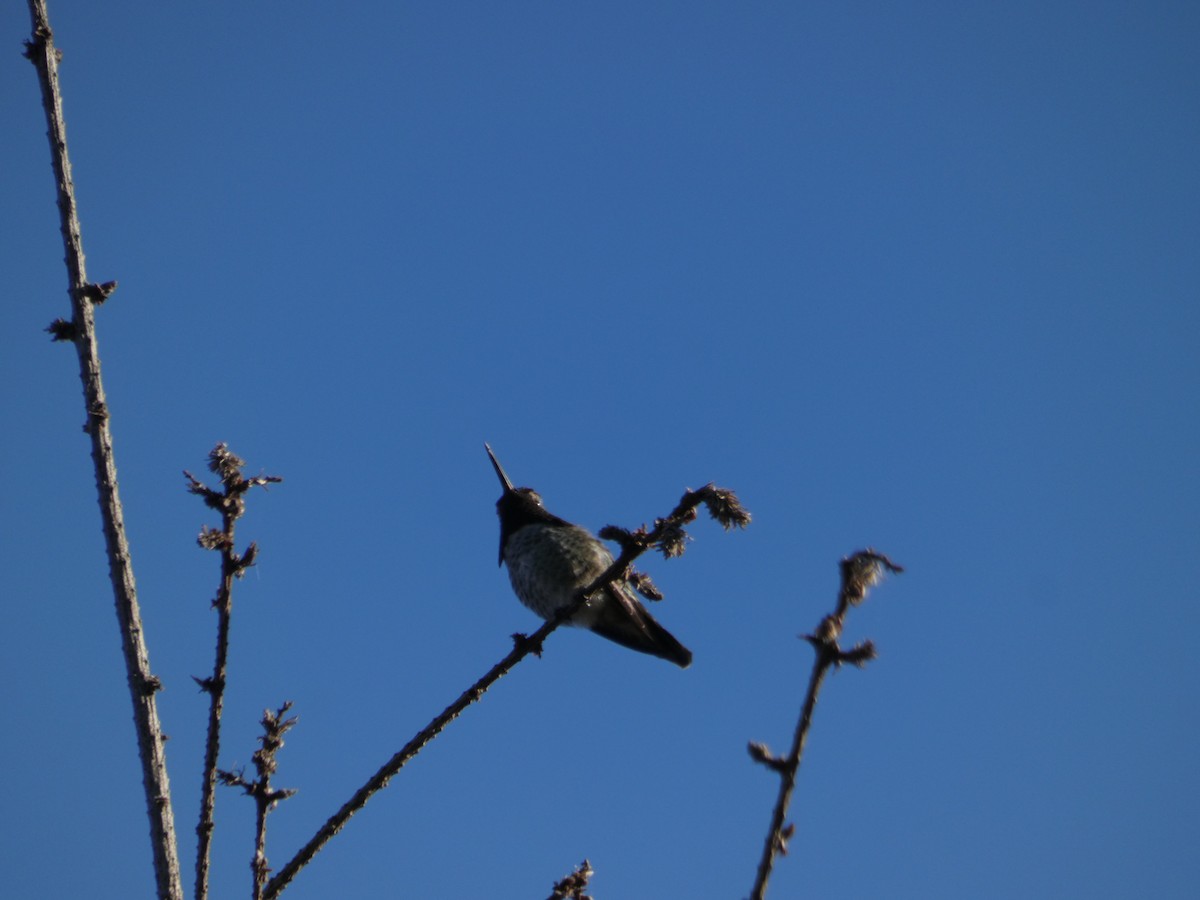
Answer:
(550, 561)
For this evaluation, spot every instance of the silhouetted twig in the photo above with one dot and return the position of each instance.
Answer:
(667, 536)
(81, 331)
(275, 726)
(860, 572)
(573, 886)
(231, 504)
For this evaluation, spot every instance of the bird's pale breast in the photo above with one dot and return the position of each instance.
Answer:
(547, 564)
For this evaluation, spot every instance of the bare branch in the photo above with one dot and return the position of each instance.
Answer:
(231, 504)
(81, 331)
(266, 797)
(860, 572)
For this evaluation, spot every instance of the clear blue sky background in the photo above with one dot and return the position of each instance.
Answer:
(920, 276)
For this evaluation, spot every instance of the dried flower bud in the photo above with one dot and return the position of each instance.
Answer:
(862, 571)
(859, 655)
(211, 539)
(724, 506)
(673, 539)
(98, 293)
(61, 330)
(829, 630)
(572, 887)
(224, 462)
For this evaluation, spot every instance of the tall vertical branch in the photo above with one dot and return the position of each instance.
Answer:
(860, 572)
(230, 503)
(81, 331)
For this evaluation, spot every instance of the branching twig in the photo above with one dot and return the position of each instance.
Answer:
(81, 331)
(230, 502)
(667, 533)
(860, 572)
(275, 726)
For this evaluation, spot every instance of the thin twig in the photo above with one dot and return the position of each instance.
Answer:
(860, 572)
(231, 504)
(81, 331)
(275, 726)
(667, 536)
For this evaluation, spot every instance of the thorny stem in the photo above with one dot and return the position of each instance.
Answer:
(215, 686)
(633, 545)
(275, 726)
(81, 331)
(787, 774)
(231, 504)
(860, 572)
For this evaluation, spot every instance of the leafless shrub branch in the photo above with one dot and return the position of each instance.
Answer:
(231, 503)
(860, 572)
(266, 797)
(81, 331)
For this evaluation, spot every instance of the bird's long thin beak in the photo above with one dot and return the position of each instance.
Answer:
(508, 486)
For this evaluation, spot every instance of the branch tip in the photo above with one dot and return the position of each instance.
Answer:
(572, 887)
(724, 506)
(861, 571)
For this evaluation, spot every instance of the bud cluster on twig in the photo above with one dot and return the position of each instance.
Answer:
(572, 887)
(230, 501)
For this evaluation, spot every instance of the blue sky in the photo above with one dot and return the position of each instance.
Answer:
(917, 276)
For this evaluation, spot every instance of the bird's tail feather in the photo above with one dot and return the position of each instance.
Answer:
(629, 624)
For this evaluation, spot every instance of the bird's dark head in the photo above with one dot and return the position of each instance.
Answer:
(518, 507)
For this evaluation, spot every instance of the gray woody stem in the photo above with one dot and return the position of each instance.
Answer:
(142, 684)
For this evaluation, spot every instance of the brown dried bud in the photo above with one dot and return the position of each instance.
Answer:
(98, 293)
(212, 539)
(62, 330)
(673, 539)
(861, 571)
(224, 462)
(724, 506)
(859, 655)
